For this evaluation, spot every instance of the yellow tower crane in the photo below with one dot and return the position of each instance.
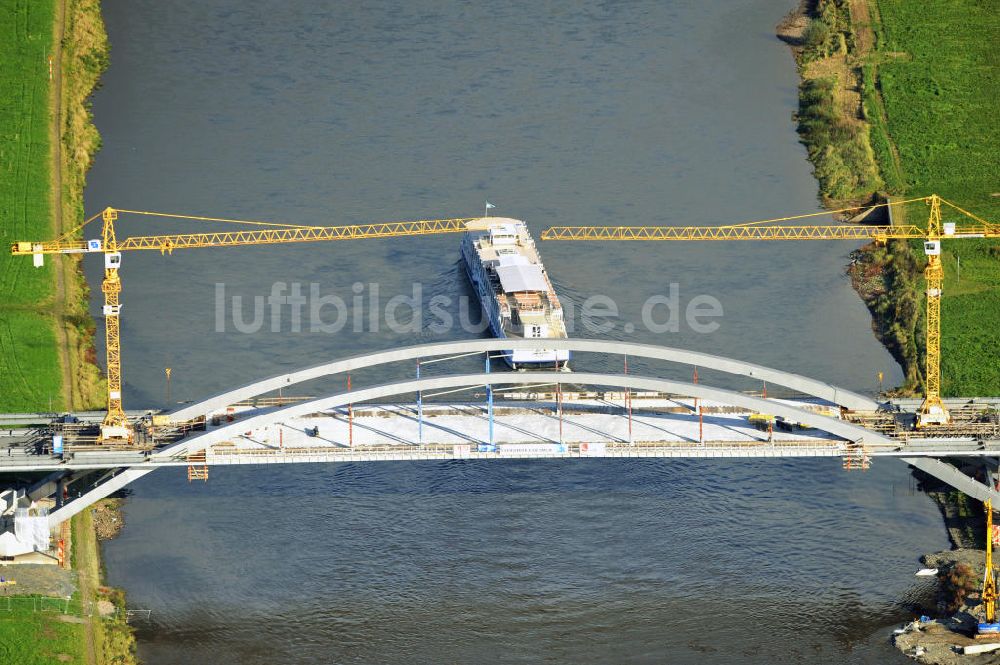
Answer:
(932, 411)
(989, 627)
(115, 428)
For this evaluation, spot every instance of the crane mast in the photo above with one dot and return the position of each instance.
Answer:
(115, 425)
(932, 410)
(989, 625)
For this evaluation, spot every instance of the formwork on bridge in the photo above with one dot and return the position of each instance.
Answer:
(856, 457)
(197, 466)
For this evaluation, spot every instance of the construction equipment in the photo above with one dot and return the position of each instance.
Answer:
(933, 410)
(989, 626)
(116, 427)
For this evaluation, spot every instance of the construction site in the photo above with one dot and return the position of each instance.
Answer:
(497, 415)
(277, 426)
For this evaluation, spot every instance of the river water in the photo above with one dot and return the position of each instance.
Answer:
(559, 113)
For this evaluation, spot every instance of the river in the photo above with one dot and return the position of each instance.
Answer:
(668, 113)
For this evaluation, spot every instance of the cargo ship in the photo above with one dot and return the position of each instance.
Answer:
(514, 289)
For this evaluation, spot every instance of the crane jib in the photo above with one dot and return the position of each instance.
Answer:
(116, 427)
(797, 232)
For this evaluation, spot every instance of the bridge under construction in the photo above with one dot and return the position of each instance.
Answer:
(491, 415)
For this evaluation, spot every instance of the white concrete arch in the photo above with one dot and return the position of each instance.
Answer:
(826, 391)
(845, 430)
(834, 426)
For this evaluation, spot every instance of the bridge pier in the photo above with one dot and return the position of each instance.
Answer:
(102, 490)
(949, 474)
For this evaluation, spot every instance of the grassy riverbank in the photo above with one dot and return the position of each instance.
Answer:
(831, 119)
(53, 52)
(51, 63)
(902, 98)
(110, 637)
(85, 57)
(88, 628)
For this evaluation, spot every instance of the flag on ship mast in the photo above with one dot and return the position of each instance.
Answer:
(488, 206)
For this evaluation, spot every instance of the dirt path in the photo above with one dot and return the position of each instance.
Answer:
(864, 37)
(843, 66)
(55, 139)
(861, 13)
(86, 547)
(87, 568)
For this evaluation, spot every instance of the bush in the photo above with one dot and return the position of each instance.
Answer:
(816, 34)
(957, 583)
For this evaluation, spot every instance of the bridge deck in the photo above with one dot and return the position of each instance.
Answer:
(660, 427)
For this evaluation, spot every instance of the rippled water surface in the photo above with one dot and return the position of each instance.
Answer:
(639, 561)
(560, 113)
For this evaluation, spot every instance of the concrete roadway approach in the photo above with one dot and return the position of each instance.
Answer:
(846, 439)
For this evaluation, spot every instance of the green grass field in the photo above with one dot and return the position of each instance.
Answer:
(29, 367)
(29, 637)
(970, 320)
(25, 160)
(940, 84)
(30, 377)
